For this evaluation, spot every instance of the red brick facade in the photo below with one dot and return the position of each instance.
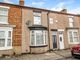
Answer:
(15, 19)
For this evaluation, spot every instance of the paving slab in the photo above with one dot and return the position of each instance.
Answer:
(63, 53)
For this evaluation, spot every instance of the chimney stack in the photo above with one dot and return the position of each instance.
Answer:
(21, 2)
(64, 10)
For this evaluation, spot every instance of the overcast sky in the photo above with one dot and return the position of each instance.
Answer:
(73, 6)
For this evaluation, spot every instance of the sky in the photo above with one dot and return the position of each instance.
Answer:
(72, 6)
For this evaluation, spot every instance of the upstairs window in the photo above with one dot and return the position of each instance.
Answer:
(3, 15)
(71, 22)
(50, 20)
(37, 18)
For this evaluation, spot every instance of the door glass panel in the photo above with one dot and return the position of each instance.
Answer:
(54, 37)
(60, 38)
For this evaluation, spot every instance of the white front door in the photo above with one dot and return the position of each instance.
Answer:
(61, 41)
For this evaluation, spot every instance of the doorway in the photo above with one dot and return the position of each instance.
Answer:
(54, 39)
(61, 41)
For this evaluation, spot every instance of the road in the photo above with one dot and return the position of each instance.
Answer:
(71, 58)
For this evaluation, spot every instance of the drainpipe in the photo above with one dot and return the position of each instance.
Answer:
(22, 22)
(48, 29)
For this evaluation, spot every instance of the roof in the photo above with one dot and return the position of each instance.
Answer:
(1, 3)
(37, 27)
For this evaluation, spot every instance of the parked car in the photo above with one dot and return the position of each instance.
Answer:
(75, 50)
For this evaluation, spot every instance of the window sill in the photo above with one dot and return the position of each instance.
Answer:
(5, 48)
(38, 46)
(74, 43)
(4, 23)
(7, 25)
(4, 7)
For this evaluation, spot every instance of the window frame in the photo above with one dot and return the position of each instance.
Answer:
(38, 15)
(71, 21)
(6, 29)
(44, 37)
(73, 36)
(50, 20)
(6, 16)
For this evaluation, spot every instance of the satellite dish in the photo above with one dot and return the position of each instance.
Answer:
(29, 23)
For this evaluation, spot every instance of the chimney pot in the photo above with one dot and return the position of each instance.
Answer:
(64, 11)
(21, 2)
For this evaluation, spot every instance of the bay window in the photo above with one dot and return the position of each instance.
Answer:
(38, 37)
(5, 38)
(73, 36)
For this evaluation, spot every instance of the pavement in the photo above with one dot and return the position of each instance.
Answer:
(54, 55)
(64, 53)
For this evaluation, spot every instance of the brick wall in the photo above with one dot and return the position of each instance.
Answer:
(15, 19)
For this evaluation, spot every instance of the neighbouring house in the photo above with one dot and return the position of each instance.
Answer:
(10, 28)
(26, 29)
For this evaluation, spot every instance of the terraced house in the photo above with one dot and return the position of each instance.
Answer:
(26, 29)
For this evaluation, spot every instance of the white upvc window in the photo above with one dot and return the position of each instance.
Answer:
(71, 22)
(37, 18)
(5, 38)
(4, 15)
(73, 36)
(50, 20)
(38, 37)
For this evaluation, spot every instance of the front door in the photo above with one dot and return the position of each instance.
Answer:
(61, 41)
(54, 38)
